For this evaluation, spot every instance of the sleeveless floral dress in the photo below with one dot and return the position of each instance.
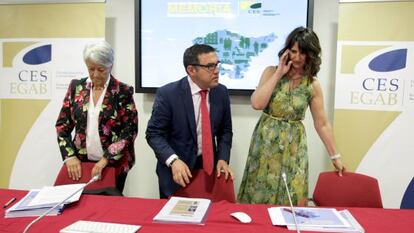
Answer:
(279, 145)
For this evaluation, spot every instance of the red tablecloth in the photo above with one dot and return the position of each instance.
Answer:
(140, 211)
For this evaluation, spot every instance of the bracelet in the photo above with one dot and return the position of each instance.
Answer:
(335, 157)
(172, 161)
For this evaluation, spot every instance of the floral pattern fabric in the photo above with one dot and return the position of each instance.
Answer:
(118, 123)
(279, 145)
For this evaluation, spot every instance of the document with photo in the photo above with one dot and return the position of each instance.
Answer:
(184, 210)
(314, 219)
(307, 217)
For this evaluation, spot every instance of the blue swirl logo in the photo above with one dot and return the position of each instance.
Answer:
(39, 55)
(389, 61)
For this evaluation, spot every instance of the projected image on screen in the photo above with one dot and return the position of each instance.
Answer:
(247, 36)
(235, 51)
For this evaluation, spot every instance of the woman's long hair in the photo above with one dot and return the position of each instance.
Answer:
(308, 43)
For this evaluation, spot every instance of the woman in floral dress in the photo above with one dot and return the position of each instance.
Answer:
(102, 112)
(278, 143)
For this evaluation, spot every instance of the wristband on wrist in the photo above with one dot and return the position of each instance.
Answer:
(172, 161)
(335, 157)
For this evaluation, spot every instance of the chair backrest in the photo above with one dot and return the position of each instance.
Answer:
(350, 190)
(108, 177)
(210, 187)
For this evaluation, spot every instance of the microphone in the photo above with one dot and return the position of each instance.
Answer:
(94, 179)
(290, 202)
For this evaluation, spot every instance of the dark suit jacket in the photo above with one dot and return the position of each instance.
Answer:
(118, 123)
(172, 128)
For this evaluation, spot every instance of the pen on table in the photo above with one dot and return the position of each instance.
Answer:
(9, 202)
(298, 213)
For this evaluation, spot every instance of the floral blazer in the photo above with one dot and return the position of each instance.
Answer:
(118, 123)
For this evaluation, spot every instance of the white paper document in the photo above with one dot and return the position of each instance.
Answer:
(184, 210)
(56, 194)
(23, 208)
(315, 219)
(82, 226)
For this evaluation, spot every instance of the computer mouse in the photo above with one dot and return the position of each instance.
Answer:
(242, 217)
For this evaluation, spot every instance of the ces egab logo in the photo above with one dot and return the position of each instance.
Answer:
(28, 66)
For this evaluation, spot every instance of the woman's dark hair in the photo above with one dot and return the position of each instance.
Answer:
(308, 43)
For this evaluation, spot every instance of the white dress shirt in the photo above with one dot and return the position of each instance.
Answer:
(93, 141)
(195, 93)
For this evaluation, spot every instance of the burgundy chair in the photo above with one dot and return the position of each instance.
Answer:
(350, 190)
(210, 187)
(106, 184)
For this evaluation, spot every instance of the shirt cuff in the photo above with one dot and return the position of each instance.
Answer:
(170, 159)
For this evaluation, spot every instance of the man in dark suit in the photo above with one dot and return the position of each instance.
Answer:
(174, 130)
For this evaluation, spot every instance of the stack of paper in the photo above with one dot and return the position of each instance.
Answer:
(38, 201)
(23, 209)
(184, 210)
(315, 219)
(83, 226)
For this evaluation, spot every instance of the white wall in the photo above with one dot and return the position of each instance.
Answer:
(142, 180)
(325, 23)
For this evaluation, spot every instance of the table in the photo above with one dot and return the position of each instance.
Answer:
(140, 211)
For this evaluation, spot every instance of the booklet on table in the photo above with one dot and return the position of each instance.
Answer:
(184, 210)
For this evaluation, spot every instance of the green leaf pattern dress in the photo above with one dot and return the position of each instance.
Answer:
(279, 144)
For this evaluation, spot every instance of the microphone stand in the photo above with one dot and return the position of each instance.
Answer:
(94, 179)
(290, 201)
